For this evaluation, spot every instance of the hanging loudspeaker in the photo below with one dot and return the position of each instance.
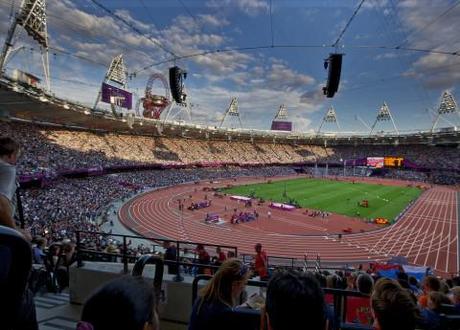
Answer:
(334, 64)
(176, 84)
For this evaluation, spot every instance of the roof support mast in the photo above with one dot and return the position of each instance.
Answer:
(32, 17)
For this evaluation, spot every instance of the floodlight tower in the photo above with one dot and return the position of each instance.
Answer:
(384, 114)
(232, 111)
(446, 107)
(329, 117)
(32, 17)
(117, 73)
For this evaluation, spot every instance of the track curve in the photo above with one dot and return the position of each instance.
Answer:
(427, 234)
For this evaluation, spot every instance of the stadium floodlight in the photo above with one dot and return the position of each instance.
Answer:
(117, 71)
(280, 122)
(232, 111)
(446, 107)
(117, 97)
(282, 113)
(448, 104)
(329, 117)
(32, 17)
(384, 114)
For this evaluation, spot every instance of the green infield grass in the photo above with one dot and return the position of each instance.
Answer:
(334, 196)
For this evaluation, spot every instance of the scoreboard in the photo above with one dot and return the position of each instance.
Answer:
(375, 162)
(379, 162)
(393, 161)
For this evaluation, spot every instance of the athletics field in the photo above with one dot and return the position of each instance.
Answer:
(339, 197)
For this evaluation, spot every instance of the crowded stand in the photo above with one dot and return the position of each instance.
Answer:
(49, 148)
(63, 206)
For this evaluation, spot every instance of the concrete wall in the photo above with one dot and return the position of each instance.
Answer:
(85, 280)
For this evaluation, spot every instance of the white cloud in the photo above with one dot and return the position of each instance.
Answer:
(427, 32)
(386, 56)
(213, 21)
(249, 7)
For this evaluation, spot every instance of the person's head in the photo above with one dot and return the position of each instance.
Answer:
(227, 284)
(436, 299)
(9, 150)
(41, 242)
(393, 306)
(124, 303)
(258, 247)
(293, 299)
(456, 294)
(364, 283)
(431, 283)
(402, 276)
(413, 281)
(456, 281)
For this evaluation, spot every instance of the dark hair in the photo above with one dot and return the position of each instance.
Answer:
(433, 283)
(364, 283)
(456, 281)
(124, 303)
(413, 281)
(393, 306)
(8, 146)
(437, 299)
(294, 299)
(258, 247)
(402, 276)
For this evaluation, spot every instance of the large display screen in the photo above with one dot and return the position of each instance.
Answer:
(281, 125)
(394, 161)
(376, 162)
(111, 94)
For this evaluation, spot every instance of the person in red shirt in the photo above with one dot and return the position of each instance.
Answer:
(221, 257)
(261, 264)
(203, 258)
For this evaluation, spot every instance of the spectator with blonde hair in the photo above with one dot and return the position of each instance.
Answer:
(219, 297)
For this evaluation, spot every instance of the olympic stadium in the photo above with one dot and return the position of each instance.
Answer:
(138, 132)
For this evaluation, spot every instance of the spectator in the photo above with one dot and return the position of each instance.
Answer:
(358, 308)
(9, 154)
(430, 283)
(261, 262)
(203, 258)
(295, 300)
(364, 283)
(430, 315)
(170, 255)
(456, 298)
(124, 303)
(221, 257)
(217, 299)
(38, 250)
(392, 307)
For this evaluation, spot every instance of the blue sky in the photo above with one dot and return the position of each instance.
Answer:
(410, 82)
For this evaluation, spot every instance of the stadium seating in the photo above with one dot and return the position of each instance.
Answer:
(15, 266)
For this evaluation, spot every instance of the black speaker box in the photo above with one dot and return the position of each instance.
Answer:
(334, 64)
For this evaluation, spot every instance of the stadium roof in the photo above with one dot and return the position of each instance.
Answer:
(265, 52)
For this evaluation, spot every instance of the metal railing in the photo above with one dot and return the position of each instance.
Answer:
(182, 258)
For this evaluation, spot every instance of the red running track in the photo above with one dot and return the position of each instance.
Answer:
(427, 234)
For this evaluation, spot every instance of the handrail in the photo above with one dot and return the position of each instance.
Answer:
(155, 239)
(159, 268)
(126, 256)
